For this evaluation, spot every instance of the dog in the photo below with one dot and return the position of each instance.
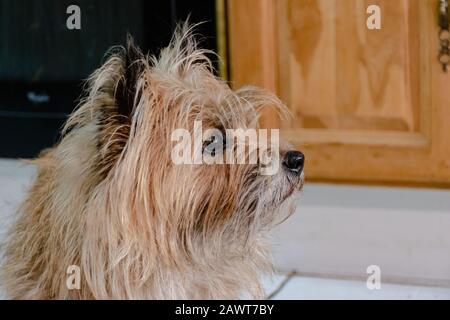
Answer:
(109, 202)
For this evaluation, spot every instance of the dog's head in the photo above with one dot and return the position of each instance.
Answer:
(170, 148)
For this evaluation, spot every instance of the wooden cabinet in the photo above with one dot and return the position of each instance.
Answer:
(368, 106)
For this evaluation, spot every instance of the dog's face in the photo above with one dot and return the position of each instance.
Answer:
(215, 192)
(220, 192)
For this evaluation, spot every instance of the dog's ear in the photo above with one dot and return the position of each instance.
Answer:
(133, 64)
(115, 130)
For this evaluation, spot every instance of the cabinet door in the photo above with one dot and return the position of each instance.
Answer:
(367, 105)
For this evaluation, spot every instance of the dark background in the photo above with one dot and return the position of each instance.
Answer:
(40, 57)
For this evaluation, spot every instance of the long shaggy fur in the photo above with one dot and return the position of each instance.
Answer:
(108, 198)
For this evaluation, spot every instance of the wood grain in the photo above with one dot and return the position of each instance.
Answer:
(347, 76)
(252, 47)
(369, 105)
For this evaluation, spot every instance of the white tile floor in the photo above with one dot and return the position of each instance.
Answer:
(15, 177)
(309, 288)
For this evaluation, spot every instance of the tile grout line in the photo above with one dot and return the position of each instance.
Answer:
(283, 283)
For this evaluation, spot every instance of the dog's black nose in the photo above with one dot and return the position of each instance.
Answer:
(294, 161)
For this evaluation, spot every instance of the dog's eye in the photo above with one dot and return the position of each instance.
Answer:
(213, 145)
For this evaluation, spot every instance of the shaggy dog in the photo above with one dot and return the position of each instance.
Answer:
(109, 199)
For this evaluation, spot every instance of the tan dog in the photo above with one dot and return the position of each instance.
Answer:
(109, 199)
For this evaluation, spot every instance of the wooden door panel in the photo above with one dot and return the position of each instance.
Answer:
(344, 76)
(367, 105)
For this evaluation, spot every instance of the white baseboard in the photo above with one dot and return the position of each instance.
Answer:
(338, 231)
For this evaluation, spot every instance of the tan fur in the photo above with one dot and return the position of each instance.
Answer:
(108, 198)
